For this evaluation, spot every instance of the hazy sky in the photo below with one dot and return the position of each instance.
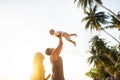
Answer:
(24, 26)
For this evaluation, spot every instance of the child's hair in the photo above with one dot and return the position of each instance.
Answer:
(51, 31)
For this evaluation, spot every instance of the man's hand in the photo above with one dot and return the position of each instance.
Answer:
(59, 35)
(48, 77)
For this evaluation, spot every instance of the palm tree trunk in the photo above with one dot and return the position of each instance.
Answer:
(108, 10)
(111, 36)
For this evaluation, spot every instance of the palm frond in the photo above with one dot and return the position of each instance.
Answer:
(99, 1)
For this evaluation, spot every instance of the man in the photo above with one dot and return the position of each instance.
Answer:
(56, 60)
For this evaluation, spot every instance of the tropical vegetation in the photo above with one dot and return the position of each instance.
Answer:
(104, 57)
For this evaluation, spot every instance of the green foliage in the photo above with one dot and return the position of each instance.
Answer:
(95, 19)
(106, 59)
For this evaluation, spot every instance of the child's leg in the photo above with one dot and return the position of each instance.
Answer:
(67, 37)
(74, 34)
(72, 42)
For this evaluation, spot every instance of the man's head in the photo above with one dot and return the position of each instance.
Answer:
(48, 51)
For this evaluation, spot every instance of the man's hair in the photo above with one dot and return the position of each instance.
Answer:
(48, 51)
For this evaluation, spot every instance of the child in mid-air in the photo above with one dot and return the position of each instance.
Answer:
(64, 34)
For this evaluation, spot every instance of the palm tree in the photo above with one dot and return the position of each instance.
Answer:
(114, 22)
(92, 73)
(98, 50)
(105, 58)
(95, 20)
(84, 5)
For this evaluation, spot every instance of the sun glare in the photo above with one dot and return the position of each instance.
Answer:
(17, 67)
(23, 70)
(47, 66)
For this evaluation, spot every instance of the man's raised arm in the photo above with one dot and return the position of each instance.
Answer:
(58, 49)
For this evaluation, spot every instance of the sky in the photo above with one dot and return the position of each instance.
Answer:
(24, 26)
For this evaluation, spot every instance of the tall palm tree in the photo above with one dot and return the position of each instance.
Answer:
(114, 23)
(95, 20)
(84, 5)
